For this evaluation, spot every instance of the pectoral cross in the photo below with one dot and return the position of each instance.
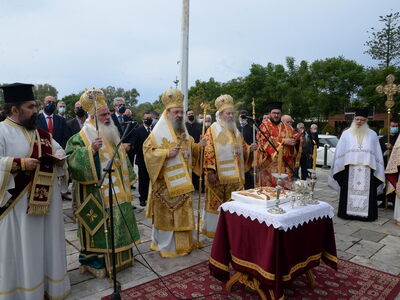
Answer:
(390, 89)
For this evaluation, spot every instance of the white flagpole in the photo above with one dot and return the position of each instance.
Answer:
(185, 53)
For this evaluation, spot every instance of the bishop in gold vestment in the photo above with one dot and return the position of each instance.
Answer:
(170, 155)
(227, 157)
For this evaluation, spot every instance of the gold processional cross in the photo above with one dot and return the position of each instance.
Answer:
(390, 89)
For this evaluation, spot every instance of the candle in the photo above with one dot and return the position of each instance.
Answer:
(314, 157)
(280, 160)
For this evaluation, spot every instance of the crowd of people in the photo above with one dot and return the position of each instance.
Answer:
(45, 158)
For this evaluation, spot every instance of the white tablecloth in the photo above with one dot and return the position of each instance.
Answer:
(292, 218)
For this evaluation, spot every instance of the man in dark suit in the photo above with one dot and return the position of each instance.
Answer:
(51, 122)
(140, 134)
(75, 125)
(194, 129)
(54, 124)
(246, 130)
(120, 120)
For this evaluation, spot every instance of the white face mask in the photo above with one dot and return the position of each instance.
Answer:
(313, 130)
(208, 124)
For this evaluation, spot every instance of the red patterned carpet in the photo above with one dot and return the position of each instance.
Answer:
(352, 281)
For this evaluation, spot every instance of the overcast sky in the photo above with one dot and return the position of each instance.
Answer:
(79, 44)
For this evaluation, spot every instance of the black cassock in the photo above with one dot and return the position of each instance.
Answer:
(343, 180)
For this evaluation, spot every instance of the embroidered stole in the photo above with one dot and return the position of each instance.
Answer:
(176, 169)
(120, 176)
(228, 154)
(358, 190)
(38, 182)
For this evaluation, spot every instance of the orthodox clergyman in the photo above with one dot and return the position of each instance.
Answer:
(226, 159)
(33, 261)
(357, 171)
(171, 155)
(89, 152)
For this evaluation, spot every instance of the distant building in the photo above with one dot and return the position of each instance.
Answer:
(340, 122)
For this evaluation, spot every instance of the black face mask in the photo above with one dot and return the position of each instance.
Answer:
(148, 122)
(80, 112)
(30, 123)
(191, 118)
(49, 108)
(121, 109)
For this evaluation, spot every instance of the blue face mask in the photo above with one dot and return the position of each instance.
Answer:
(61, 110)
(243, 123)
(49, 108)
(394, 130)
(154, 122)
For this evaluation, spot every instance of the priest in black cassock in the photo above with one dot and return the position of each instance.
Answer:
(357, 171)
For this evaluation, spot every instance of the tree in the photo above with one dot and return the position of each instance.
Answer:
(43, 90)
(70, 103)
(384, 44)
(112, 92)
(368, 95)
(338, 82)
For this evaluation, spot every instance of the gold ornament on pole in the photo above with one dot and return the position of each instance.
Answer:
(390, 89)
(205, 107)
(254, 140)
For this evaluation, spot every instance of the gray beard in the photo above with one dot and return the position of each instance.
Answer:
(359, 132)
(230, 125)
(178, 126)
(109, 133)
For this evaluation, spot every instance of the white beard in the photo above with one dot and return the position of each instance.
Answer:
(230, 125)
(359, 132)
(109, 133)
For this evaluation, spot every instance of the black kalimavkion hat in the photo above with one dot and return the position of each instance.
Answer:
(361, 112)
(274, 105)
(18, 92)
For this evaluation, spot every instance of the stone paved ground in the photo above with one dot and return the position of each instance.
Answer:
(373, 244)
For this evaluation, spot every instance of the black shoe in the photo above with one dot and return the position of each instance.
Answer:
(142, 203)
(382, 205)
(134, 207)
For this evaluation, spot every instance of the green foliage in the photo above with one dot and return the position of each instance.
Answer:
(112, 92)
(328, 129)
(70, 101)
(42, 90)
(384, 44)
(337, 82)
(372, 78)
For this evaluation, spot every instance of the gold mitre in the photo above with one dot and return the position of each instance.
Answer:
(223, 102)
(172, 98)
(89, 96)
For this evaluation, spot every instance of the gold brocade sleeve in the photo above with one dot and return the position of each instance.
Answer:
(196, 152)
(154, 158)
(209, 152)
(248, 156)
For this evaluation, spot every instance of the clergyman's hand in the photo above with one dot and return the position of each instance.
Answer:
(31, 163)
(289, 141)
(253, 147)
(203, 142)
(174, 151)
(211, 177)
(388, 146)
(127, 146)
(97, 144)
